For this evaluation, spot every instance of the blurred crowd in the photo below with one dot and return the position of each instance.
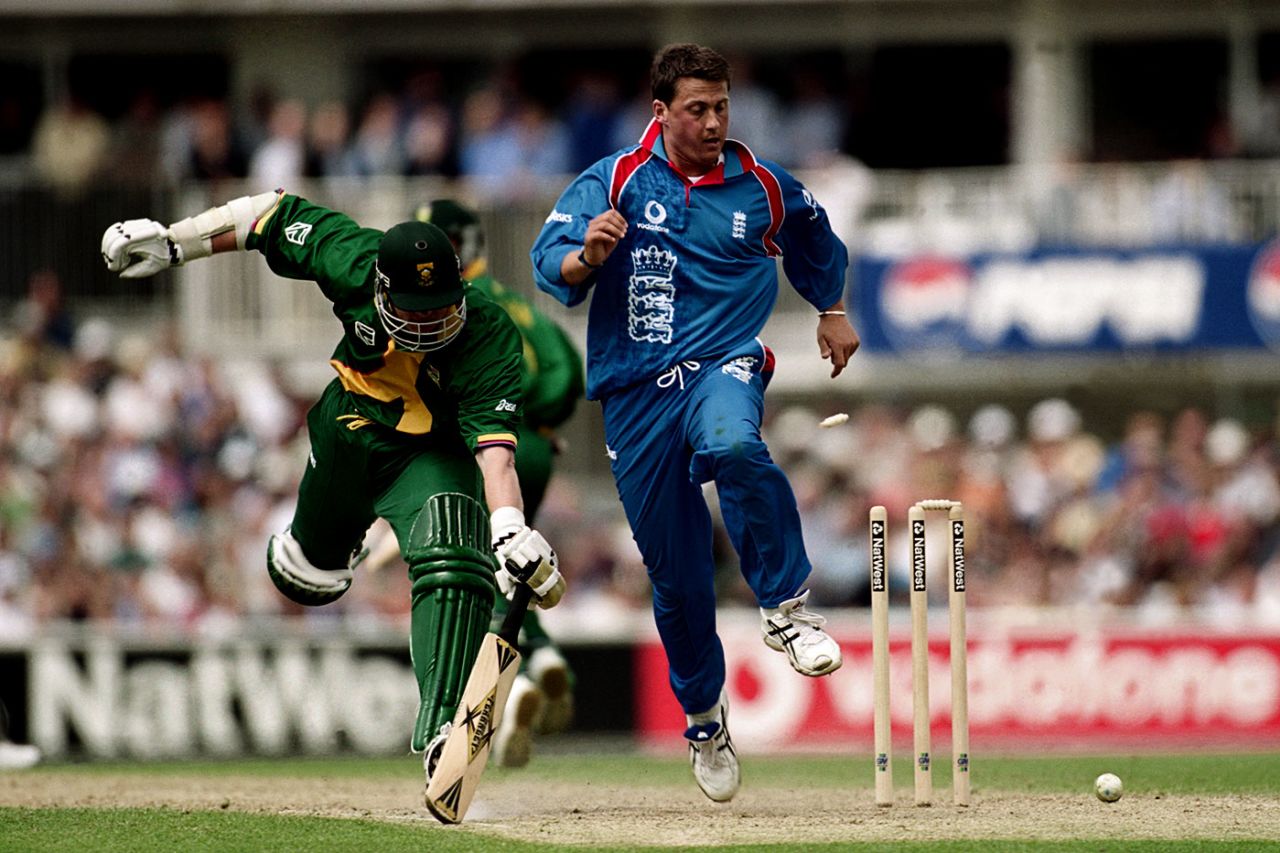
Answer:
(140, 484)
(495, 133)
(1179, 514)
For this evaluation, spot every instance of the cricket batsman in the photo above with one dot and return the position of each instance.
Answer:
(541, 698)
(419, 426)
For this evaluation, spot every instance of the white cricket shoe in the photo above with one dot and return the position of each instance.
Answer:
(513, 741)
(431, 755)
(791, 628)
(18, 756)
(712, 756)
(550, 671)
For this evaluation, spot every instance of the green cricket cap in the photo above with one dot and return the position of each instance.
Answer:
(420, 267)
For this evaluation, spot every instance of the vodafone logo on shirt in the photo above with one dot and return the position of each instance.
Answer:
(656, 214)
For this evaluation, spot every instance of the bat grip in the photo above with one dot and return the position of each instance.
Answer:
(515, 616)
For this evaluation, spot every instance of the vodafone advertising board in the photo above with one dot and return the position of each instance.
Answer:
(1043, 688)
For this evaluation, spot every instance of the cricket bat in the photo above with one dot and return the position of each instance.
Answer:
(466, 749)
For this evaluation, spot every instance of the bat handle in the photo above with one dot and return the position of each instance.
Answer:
(515, 616)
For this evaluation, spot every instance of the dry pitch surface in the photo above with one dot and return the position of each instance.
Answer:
(617, 813)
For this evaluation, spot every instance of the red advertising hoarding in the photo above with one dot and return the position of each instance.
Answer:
(1039, 688)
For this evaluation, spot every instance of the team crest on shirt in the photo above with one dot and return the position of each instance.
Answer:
(651, 296)
(739, 225)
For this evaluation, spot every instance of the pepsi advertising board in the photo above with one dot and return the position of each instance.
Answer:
(1178, 299)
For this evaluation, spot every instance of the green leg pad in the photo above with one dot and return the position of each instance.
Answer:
(451, 569)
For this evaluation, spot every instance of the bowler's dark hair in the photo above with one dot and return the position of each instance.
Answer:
(685, 60)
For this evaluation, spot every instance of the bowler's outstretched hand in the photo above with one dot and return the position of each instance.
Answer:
(837, 341)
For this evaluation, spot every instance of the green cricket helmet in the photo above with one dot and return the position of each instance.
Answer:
(417, 273)
(463, 227)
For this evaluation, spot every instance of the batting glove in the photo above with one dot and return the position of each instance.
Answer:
(139, 248)
(525, 557)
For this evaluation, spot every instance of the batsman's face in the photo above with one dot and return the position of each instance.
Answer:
(695, 124)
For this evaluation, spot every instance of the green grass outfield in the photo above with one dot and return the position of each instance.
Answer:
(172, 829)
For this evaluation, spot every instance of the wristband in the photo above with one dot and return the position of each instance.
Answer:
(582, 259)
(831, 313)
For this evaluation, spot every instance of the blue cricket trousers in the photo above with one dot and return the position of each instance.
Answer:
(698, 422)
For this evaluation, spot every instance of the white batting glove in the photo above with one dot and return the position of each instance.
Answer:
(139, 248)
(525, 557)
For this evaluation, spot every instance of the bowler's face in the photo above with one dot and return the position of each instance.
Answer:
(695, 124)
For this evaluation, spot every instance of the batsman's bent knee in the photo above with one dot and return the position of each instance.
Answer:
(451, 568)
(299, 580)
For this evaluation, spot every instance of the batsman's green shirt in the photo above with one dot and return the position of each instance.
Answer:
(471, 388)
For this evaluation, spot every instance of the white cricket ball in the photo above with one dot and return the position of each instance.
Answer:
(1108, 787)
(834, 420)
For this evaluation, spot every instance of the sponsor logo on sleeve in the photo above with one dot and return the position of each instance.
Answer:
(813, 204)
(557, 216)
(297, 233)
(366, 333)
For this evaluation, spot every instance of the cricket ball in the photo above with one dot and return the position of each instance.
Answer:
(1108, 787)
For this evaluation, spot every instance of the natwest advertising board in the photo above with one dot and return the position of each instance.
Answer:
(1042, 688)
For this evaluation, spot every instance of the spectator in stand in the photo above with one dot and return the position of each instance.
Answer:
(42, 316)
(506, 152)
(429, 129)
(813, 120)
(1141, 449)
(428, 136)
(216, 154)
(1261, 135)
(757, 113)
(592, 117)
(280, 159)
(328, 151)
(69, 146)
(1188, 205)
(135, 143)
(377, 150)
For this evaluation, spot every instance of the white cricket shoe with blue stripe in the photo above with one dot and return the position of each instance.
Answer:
(792, 629)
(712, 756)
